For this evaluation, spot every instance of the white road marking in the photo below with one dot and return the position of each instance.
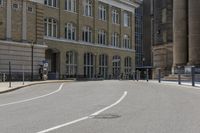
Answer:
(86, 117)
(35, 98)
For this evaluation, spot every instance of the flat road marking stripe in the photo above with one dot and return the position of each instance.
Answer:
(35, 98)
(86, 117)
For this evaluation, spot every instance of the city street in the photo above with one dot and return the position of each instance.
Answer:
(101, 107)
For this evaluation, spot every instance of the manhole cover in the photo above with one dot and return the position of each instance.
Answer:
(105, 116)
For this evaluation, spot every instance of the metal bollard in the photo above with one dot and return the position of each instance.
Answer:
(4, 77)
(179, 75)
(147, 75)
(193, 75)
(159, 75)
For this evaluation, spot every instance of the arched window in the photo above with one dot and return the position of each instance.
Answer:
(71, 63)
(102, 12)
(115, 16)
(87, 7)
(127, 65)
(70, 31)
(50, 27)
(116, 66)
(126, 42)
(103, 65)
(89, 65)
(52, 3)
(101, 37)
(115, 40)
(70, 5)
(87, 34)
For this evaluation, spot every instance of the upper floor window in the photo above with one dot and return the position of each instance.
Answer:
(87, 7)
(164, 15)
(70, 31)
(115, 40)
(115, 16)
(52, 3)
(102, 12)
(1, 2)
(87, 34)
(101, 37)
(127, 19)
(70, 5)
(126, 42)
(50, 27)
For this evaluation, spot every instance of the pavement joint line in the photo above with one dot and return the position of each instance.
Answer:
(86, 117)
(34, 98)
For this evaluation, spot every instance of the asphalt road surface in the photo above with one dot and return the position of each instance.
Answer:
(101, 107)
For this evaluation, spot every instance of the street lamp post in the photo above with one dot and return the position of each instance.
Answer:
(32, 45)
(95, 69)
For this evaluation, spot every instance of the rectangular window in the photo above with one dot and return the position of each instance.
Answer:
(15, 6)
(126, 19)
(87, 7)
(102, 12)
(1, 2)
(164, 15)
(115, 16)
(70, 5)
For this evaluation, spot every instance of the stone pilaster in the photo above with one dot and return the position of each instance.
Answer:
(180, 32)
(8, 20)
(24, 21)
(194, 32)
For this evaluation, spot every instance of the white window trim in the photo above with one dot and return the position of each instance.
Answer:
(72, 28)
(52, 27)
(52, 4)
(72, 64)
(115, 40)
(102, 37)
(88, 5)
(73, 6)
(87, 30)
(102, 12)
(115, 16)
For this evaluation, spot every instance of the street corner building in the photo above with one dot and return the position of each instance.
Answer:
(78, 38)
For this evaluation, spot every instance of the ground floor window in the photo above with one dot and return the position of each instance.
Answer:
(127, 66)
(103, 66)
(71, 63)
(116, 66)
(89, 65)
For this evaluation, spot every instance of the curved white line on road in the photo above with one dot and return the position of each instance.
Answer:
(31, 99)
(86, 117)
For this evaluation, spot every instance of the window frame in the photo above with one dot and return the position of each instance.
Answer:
(71, 63)
(51, 27)
(88, 9)
(70, 5)
(70, 28)
(87, 34)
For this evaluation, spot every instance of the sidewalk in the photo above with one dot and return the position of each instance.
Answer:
(184, 84)
(4, 86)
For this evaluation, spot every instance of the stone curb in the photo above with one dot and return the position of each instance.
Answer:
(44, 82)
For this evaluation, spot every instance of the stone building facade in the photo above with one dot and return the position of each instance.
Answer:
(85, 38)
(92, 38)
(21, 26)
(186, 33)
(162, 29)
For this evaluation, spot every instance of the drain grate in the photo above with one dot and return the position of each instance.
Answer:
(105, 116)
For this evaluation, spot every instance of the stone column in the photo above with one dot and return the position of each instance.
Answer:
(8, 20)
(194, 32)
(180, 32)
(24, 22)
